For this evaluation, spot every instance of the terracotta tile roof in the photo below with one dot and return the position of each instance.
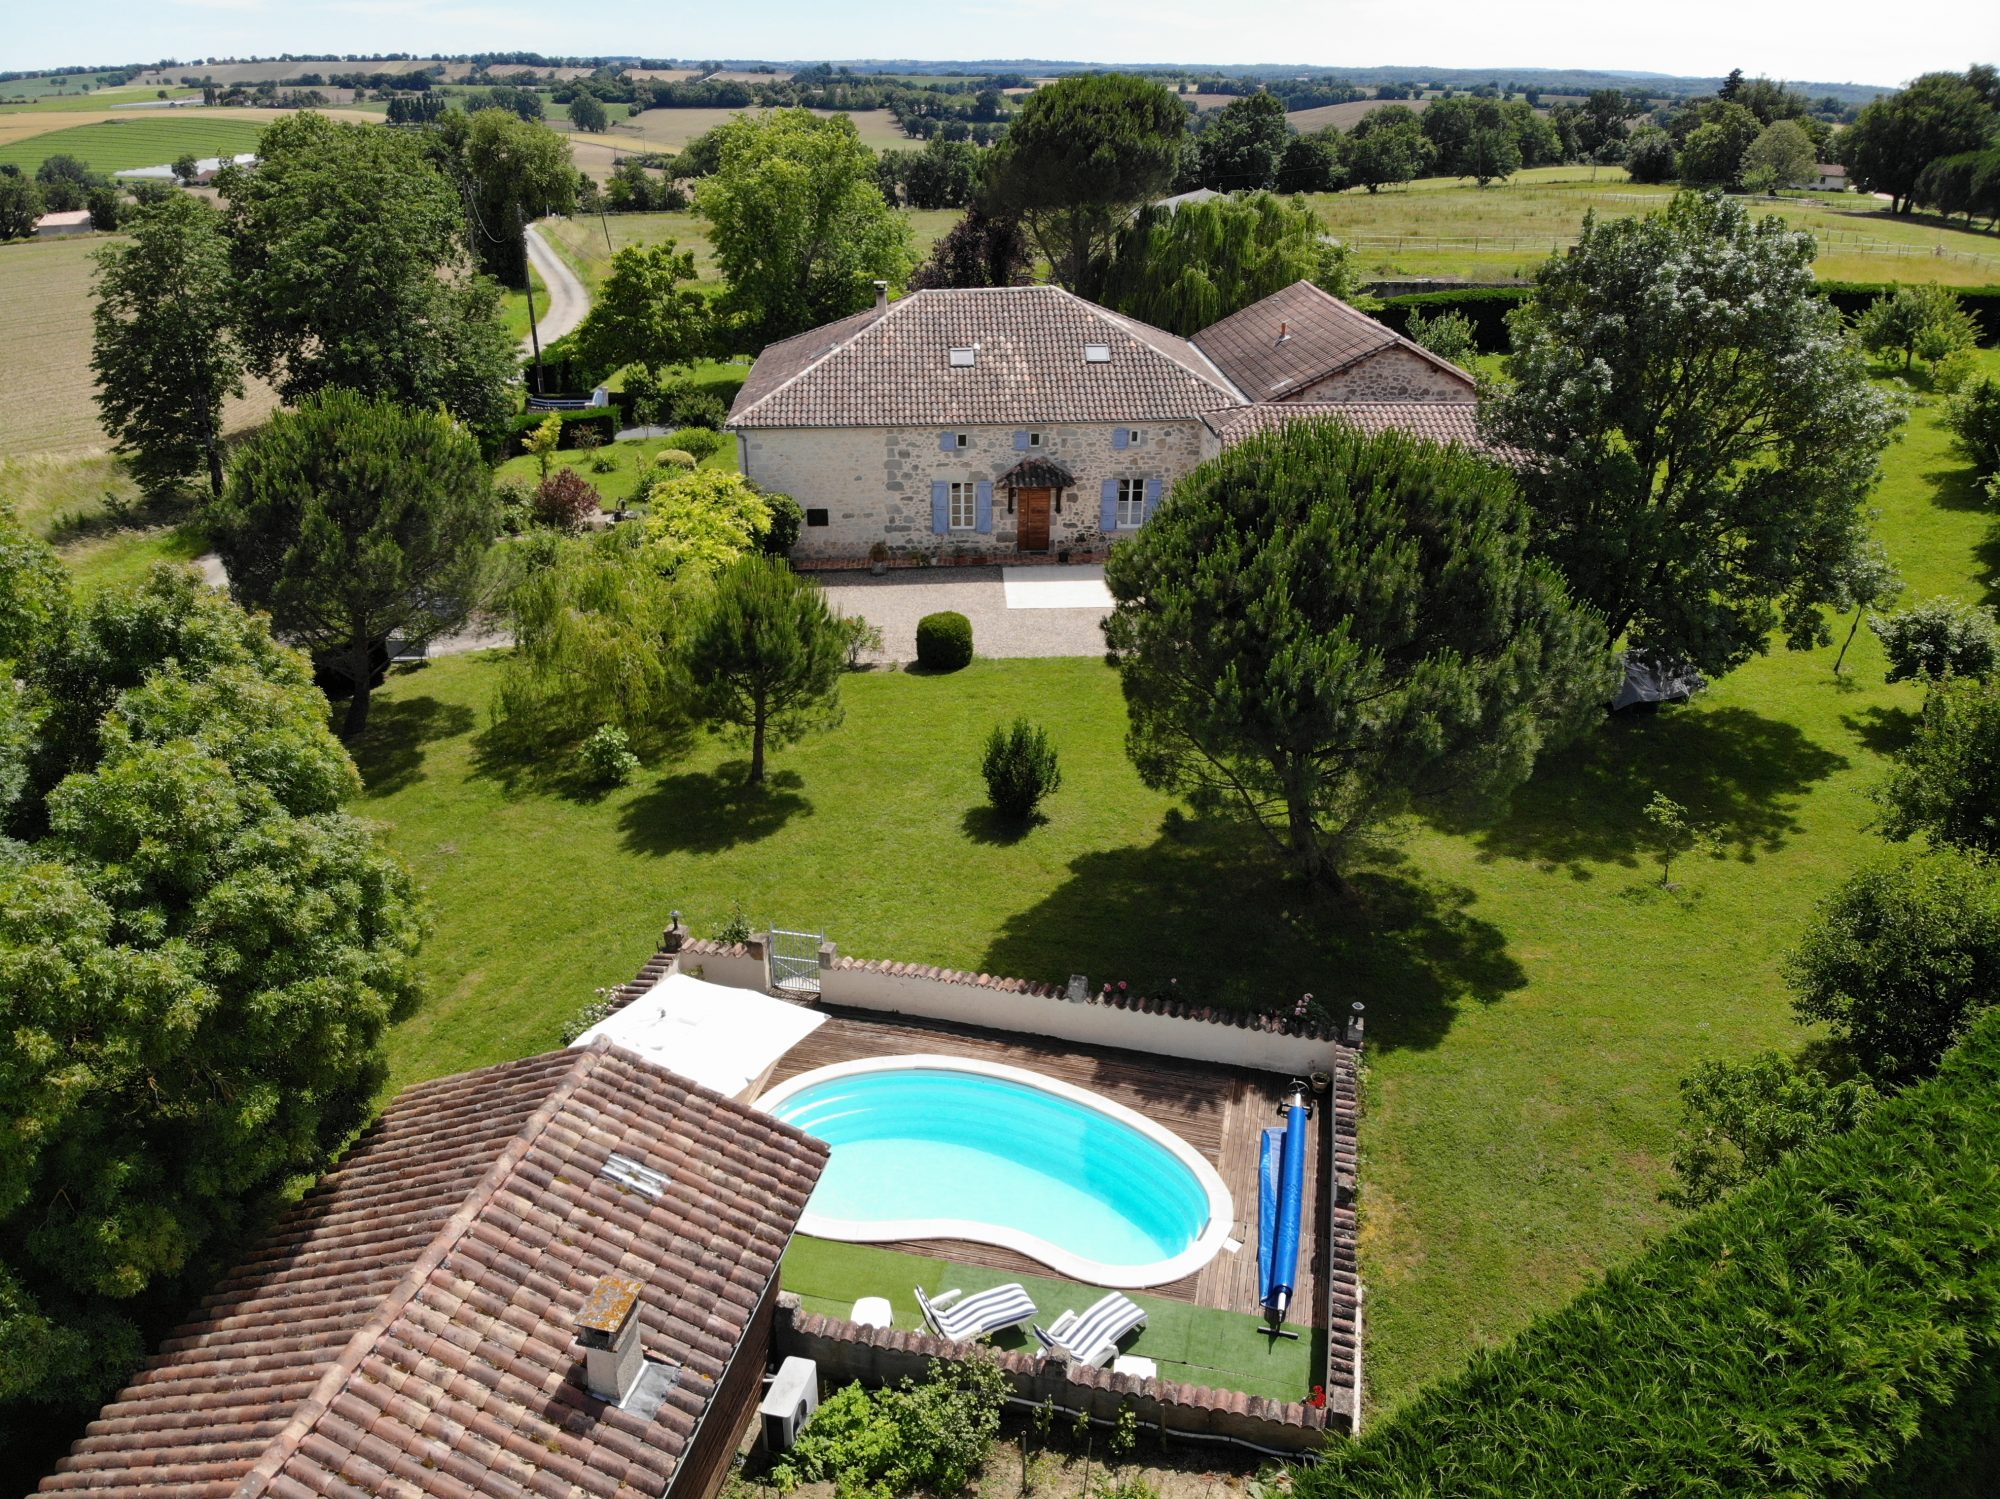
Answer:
(891, 368)
(408, 1328)
(1436, 421)
(1297, 336)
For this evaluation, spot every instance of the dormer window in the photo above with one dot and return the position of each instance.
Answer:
(963, 357)
(1097, 353)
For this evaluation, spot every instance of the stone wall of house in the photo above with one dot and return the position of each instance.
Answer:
(1394, 374)
(874, 483)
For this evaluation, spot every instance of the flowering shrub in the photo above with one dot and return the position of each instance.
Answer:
(607, 757)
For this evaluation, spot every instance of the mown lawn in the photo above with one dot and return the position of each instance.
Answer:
(1533, 996)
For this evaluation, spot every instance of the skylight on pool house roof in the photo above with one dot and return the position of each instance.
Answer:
(1097, 353)
(963, 356)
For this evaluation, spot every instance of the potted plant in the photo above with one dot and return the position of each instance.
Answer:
(878, 558)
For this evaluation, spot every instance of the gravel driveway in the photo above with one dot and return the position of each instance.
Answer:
(896, 601)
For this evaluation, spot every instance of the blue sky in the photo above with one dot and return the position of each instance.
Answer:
(1832, 40)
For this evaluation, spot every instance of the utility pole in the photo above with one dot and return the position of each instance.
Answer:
(528, 285)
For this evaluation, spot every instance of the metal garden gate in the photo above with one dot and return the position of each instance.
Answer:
(795, 961)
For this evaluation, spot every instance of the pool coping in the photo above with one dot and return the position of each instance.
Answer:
(1208, 1243)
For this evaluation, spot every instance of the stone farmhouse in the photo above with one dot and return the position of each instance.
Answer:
(998, 422)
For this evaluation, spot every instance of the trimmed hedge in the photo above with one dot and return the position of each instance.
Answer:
(944, 641)
(1832, 1328)
(603, 419)
(1854, 298)
(1488, 307)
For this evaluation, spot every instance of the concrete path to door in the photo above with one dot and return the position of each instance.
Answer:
(1015, 611)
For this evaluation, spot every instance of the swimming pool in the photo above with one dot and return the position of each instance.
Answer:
(933, 1147)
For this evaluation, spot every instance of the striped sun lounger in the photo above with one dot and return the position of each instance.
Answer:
(1093, 1336)
(977, 1315)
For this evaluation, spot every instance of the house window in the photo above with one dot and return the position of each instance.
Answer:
(1131, 437)
(1034, 439)
(963, 358)
(961, 439)
(815, 517)
(1097, 353)
(963, 514)
(1131, 504)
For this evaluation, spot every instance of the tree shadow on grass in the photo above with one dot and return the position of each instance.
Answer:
(1734, 769)
(1214, 920)
(706, 812)
(983, 824)
(390, 755)
(1885, 731)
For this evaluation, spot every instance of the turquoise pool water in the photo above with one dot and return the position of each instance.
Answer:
(930, 1144)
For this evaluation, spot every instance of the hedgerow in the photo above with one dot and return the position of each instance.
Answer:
(1831, 1329)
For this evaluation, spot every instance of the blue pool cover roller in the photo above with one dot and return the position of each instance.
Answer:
(1280, 1203)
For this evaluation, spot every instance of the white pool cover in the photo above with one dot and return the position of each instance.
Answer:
(723, 1038)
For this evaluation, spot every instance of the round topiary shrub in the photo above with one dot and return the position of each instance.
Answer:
(679, 458)
(703, 442)
(944, 641)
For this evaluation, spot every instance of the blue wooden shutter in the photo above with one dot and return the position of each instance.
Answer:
(1152, 497)
(947, 442)
(1020, 442)
(985, 507)
(1118, 439)
(940, 506)
(1107, 508)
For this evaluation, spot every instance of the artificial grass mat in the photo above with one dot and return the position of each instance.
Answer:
(1191, 1344)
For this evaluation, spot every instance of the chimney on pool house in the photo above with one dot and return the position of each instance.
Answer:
(607, 1325)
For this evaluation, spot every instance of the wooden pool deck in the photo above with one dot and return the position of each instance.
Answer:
(1220, 1111)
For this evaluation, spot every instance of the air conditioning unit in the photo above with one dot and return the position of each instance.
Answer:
(789, 1403)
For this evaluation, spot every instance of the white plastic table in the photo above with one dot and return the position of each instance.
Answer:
(873, 1311)
(1132, 1363)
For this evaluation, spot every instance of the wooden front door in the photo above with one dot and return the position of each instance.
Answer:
(1031, 508)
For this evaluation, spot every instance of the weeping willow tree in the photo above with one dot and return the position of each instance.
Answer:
(1183, 268)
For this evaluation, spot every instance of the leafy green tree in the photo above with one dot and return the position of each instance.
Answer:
(1183, 268)
(1781, 156)
(1674, 834)
(162, 349)
(1967, 183)
(1651, 156)
(65, 181)
(1712, 154)
(702, 522)
(200, 954)
(646, 312)
(1491, 155)
(1739, 1119)
(1242, 144)
(351, 520)
(518, 170)
(1021, 769)
(945, 174)
(1939, 638)
(1449, 335)
(1916, 321)
(1945, 783)
(1319, 629)
(764, 656)
(800, 229)
(1899, 961)
(596, 627)
(587, 112)
(187, 167)
(1865, 579)
(1081, 155)
(1973, 417)
(20, 204)
(1700, 437)
(406, 319)
(1313, 163)
(1893, 139)
(1388, 147)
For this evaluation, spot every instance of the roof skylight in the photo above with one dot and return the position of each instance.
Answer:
(963, 358)
(1097, 353)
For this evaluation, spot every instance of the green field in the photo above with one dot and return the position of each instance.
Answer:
(672, 129)
(107, 100)
(145, 140)
(1443, 226)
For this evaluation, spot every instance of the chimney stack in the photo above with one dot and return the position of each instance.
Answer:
(1284, 331)
(607, 1325)
(881, 296)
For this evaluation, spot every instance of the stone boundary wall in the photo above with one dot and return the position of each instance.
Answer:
(1126, 1022)
(847, 1351)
